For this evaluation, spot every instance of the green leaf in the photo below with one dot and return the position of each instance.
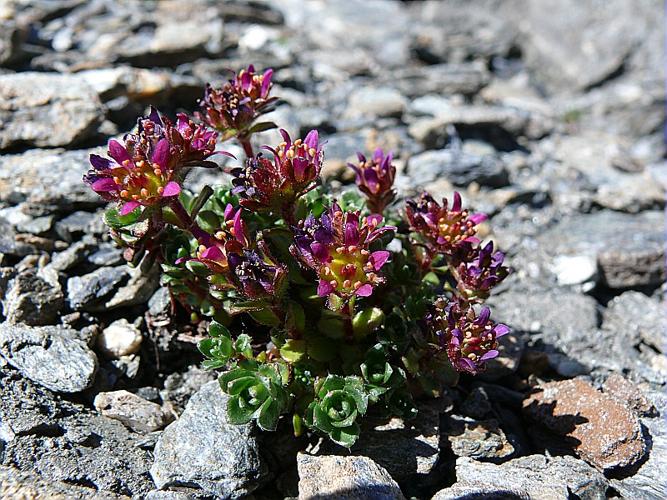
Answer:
(113, 219)
(209, 221)
(293, 350)
(296, 317)
(332, 324)
(366, 321)
(261, 127)
(269, 413)
(321, 349)
(237, 413)
(197, 268)
(215, 329)
(243, 345)
(346, 437)
(265, 317)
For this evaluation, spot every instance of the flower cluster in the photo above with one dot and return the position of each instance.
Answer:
(315, 307)
(470, 339)
(445, 229)
(375, 178)
(337, 246)
(233, 108)
(277, 183)
(148, 167)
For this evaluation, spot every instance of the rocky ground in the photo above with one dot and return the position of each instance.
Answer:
(545, 114)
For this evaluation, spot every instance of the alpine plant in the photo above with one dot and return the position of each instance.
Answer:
(318, 310)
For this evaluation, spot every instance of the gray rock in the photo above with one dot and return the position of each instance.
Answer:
(179, 387)
(637, 318)
(78, 223)
(131, 410)
(345, 478)
(629, 249)
(15, 483)
(47, 110)
(477, 439)
(609, 37)
(457, 167)
(464, 78)
(574, 270)
(376, 102)
(511, 349)
(47, 180)
(10, 42)
(50, 356)
(73, 255)
(32, 300)
(64, 442)
(8, 242)
(535, 476)
(202, 449)
(91, 291)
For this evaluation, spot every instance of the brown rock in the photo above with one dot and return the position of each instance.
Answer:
(619, 387)
(601, 430)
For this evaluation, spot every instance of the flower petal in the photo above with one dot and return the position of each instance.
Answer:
(171, 189)
(161, 153)
(379, 258)
(129, 207)
(100, 163)
(364, 290)
(324, 288)
(104, 184)
(118, 151)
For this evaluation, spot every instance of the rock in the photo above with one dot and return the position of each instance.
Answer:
(575, 269)
(637, 318)
(9, 245)
(62, 441)
(49, 355)
(597, 50)
(602, 431)
(11, 37)
(47, 180)
(133, 411)
(376, 102)
(179, 387)
(620, 388)
(457, 167)
(73, 255)
(534, 476)
(478, 439)
(120, 338)
(441, 79)
(32, 300)
(111, 287)
(79, 223)
(15, 483)
(201, 449)
(89, 292)
(47, 110)
(344, 478)
(628, 248)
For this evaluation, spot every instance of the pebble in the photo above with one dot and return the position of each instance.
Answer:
(120, 338)
(344, 478)
(133, 411)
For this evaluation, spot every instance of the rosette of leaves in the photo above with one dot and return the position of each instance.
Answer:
(339, 402)
(255, 392)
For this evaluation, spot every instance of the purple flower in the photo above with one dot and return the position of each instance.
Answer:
(375, 178)
(232, 108)
(274, 184)
(470, 339)
(256, 275)
(336, 246)
(147, 167)
(445, 229)
(483, 270)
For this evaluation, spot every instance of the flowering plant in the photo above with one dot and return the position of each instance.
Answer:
(316, 307)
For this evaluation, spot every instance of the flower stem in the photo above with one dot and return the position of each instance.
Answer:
(189, 224)
(247, 146)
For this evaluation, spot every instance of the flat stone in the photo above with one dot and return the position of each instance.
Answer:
(629, 249)
(47, 180)
(131, 410)
(89, 292)
(457, 167)
(344, 478)
(478, 439)
(638, 317)
(201, 449)
(574, 270)
(9, 245)
(47, 110)
(32, 301)
(531, 477)
(447, 79)
(376, 102)
(49, 355)
(601, 429)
